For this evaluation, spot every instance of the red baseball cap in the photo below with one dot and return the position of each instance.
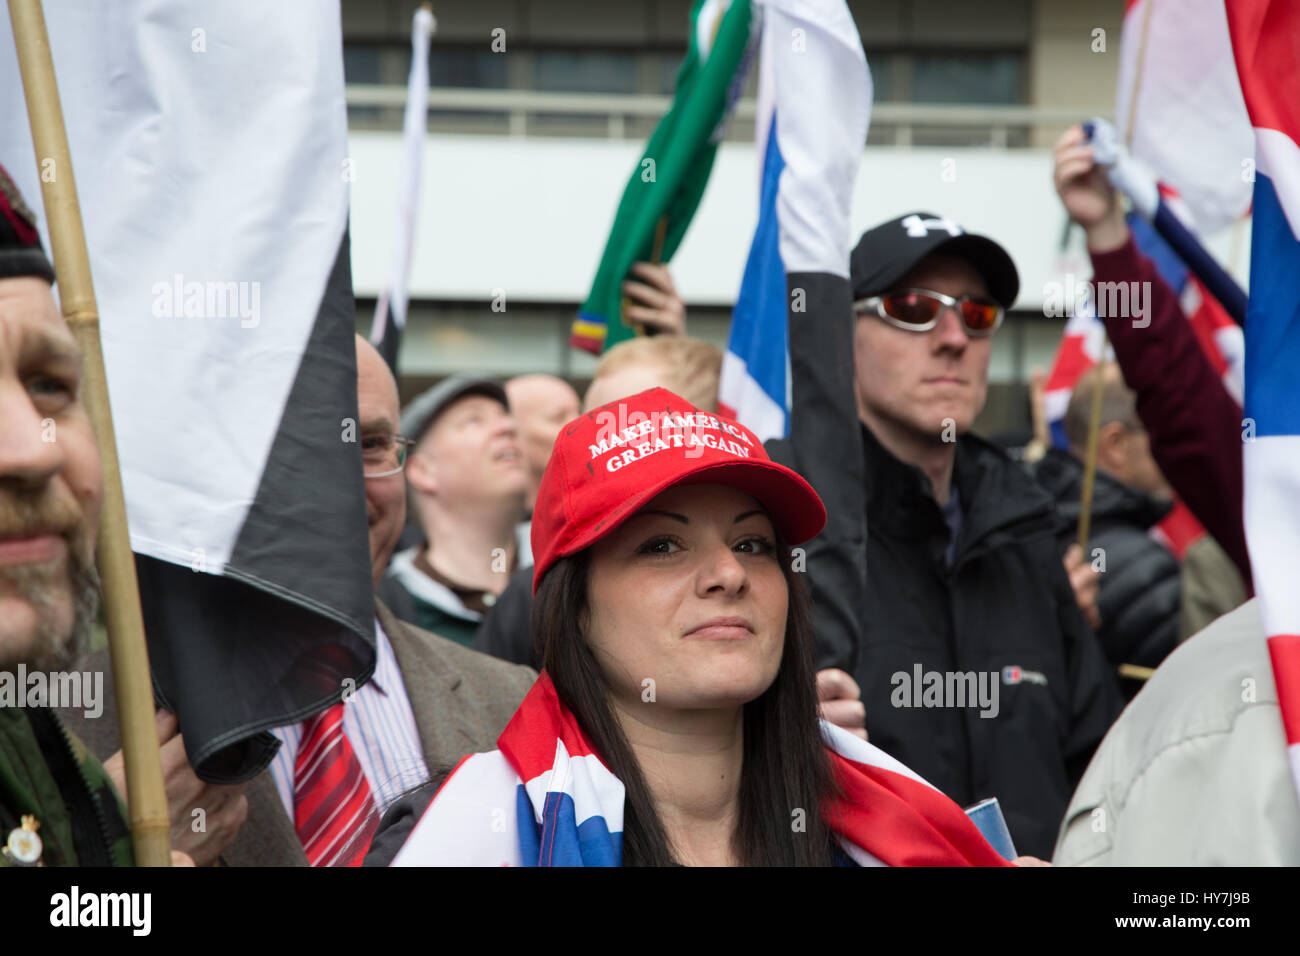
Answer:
(609, 462)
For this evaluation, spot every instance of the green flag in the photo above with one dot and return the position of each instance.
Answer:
(669, 180)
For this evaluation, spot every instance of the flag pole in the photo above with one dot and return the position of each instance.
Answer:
(1090, 457)
(126, 644)
(1094, 422)
(389, 323)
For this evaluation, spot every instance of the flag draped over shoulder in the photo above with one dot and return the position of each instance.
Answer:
(211, 151)
(814, 106)
(669, 179)
(546, 799)
(1265, 41)
(1188, 121)
(390, 310)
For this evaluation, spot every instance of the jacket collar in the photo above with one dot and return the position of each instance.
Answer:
(994, 491)
(403, 568)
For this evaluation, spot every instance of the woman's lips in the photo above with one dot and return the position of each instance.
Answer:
(722, 629)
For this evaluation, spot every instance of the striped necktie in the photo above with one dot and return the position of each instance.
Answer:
(334, 812)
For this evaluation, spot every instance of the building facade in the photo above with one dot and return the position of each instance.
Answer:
(540, 110)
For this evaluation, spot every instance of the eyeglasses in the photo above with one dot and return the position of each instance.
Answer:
(384, 455)
(918, 310)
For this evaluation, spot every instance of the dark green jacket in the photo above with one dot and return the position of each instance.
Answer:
(444, 621)
(47, 773)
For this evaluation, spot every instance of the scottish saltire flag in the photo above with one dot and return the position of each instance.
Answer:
(1178, 83)
(210, 143)
(665, 187)
(814, 106)
(1266, 42)
(390, 310)
(544, 798)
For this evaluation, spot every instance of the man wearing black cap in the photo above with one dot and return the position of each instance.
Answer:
(976, 666)
(467, 481)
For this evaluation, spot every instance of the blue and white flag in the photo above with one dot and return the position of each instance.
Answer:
(814, 106)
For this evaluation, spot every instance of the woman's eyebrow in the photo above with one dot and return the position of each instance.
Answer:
(684, 520)
(667, 514)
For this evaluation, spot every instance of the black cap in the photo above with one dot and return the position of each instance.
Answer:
(890, 251)
(20, 244)
(428, 405)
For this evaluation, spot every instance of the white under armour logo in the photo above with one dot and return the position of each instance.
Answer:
(918, 228)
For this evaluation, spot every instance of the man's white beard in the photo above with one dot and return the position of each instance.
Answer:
(51, 648)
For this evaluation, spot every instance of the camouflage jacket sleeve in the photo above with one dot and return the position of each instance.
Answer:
(47, 775)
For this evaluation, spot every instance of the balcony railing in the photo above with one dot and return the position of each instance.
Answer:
(633, 116)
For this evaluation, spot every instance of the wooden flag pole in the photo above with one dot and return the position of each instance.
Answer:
(1090, 458)
(1094, 423)
(148, 800)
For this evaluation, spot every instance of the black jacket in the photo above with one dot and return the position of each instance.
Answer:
(886, 603)
(1004, 610)
(1140, 594)
(505, 631)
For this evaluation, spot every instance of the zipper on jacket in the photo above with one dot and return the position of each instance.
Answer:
(86, 790)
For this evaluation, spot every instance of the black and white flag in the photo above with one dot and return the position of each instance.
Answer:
(210, 145)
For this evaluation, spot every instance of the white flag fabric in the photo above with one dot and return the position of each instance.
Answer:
(390, 311)
(210, 149)
(1177, 78)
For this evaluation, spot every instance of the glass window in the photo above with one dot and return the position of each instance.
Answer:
(361, 64)
(883, 66)
(992, 78)
(475, 69)
(584, 71)
(669, 65)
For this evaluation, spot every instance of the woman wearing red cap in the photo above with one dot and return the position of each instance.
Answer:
(675, 721)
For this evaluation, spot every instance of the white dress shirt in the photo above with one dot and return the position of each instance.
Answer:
(378, 722)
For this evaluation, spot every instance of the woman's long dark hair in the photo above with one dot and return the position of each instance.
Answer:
(786, 776)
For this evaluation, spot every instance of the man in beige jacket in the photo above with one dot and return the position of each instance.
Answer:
(1194, 772)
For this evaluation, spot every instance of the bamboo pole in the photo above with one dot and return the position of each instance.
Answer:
(1090, 457)
(1137, 74)
(1136, 671)
(145, 793)
(1094, 422)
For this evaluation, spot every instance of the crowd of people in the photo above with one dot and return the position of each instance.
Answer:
(812, 653)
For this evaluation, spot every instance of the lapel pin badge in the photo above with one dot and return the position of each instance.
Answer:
(24, 846)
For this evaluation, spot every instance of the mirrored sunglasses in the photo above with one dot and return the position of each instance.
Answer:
(918, 310)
